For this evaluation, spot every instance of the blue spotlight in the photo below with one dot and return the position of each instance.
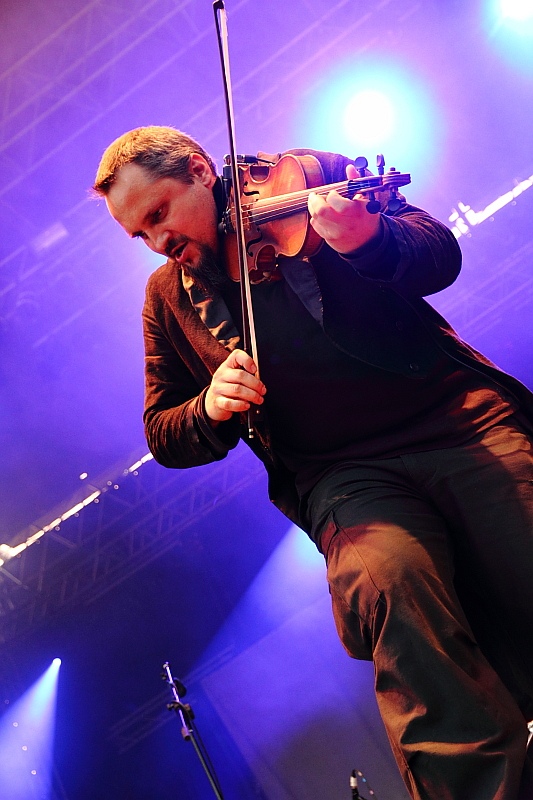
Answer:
(371, 106)
(292, 580)
(299, 554)
(26, 741)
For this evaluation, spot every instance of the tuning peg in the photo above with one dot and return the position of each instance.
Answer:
(361, 164)
(373, 205)
(394, 202)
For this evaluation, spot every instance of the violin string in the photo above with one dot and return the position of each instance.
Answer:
(283, 208)
(267, 209)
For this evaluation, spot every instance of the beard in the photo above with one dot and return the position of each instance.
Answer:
(207, 273)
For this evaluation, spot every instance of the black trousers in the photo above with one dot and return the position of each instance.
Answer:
(430, 566)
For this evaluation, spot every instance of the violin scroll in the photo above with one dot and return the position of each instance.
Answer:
(389, 181)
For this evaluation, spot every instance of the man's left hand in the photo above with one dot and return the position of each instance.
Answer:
(345, 224)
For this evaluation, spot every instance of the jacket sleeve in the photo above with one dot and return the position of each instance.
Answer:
(176, 427)
(417, 255)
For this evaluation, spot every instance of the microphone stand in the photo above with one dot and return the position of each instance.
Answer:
(185, 713)
(354, 786)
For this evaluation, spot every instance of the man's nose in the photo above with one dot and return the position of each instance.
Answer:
(160, 241)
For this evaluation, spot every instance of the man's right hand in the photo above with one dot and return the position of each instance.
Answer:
(234, 387)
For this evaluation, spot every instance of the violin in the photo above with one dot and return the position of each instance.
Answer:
(273, 197)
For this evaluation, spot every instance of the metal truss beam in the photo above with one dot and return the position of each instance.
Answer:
(82, 82)
(137, 518)
(508, 287)
(496, 279)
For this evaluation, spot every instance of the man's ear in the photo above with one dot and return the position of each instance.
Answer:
(201, 170)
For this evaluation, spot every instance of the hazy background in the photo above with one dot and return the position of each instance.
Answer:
(187, 566)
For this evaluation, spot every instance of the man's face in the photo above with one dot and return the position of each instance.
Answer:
(175, 219)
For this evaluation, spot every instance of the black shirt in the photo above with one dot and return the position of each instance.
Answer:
(324, 406)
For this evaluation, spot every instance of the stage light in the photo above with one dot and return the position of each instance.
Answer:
(290, 581)
(516, 9)
(376, 124)
(26, 740)
(463, 218)
(276, 672)
(509, 25)
(375, 105)
(295, 561)
(7, 552)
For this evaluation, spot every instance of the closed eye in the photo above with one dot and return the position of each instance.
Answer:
(157, 216)
(153, 218)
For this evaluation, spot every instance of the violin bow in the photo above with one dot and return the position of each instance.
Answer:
(249, 337)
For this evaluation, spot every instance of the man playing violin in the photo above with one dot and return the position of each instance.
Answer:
(403, 452)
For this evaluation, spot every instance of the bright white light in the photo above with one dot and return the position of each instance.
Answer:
(516, 9)
(369, 119)
(371, 105)
(139, 463)
(7, 552)
(464, 216)
(509, 25)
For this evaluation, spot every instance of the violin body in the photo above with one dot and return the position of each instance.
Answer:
(287, 235)
(274, 210)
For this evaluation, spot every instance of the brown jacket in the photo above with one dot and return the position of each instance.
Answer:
(380, 318)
